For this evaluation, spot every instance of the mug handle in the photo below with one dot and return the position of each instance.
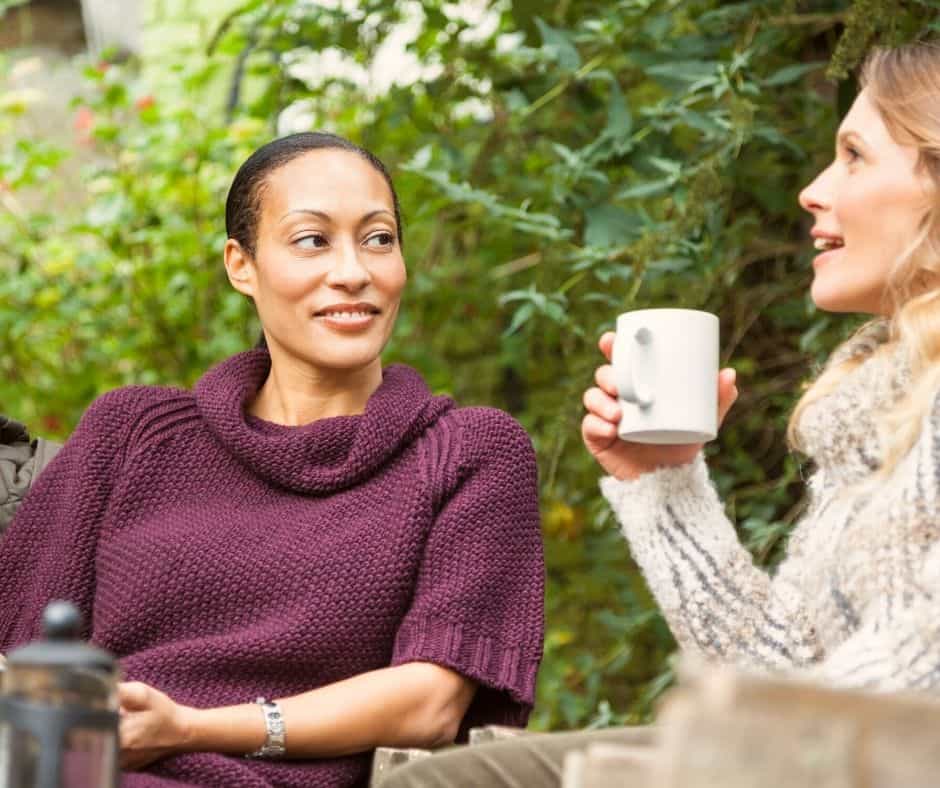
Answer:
(629, 388)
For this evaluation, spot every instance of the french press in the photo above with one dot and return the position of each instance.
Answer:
(58, 710)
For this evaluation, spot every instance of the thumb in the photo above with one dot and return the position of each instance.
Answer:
(727, 392)
(133, 695)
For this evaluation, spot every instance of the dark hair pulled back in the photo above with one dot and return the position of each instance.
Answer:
(243, 204)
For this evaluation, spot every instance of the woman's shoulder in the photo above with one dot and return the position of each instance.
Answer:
(121, 412)
(129, 402)
(865, 341)
(487, 427)
(482, 457)
(478, 436)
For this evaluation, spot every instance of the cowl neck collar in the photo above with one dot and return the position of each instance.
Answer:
(323, 456)
(841, 431)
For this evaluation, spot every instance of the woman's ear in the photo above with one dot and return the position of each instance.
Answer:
(240, 268)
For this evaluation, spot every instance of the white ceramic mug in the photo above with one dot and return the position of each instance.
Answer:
(666, 367)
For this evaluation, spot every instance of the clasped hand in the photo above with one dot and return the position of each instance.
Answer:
(623, 459)
(152, 725)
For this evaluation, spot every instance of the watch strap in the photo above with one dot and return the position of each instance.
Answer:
(275, 740)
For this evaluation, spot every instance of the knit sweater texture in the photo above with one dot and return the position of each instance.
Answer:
(221, 557)
(854, 603)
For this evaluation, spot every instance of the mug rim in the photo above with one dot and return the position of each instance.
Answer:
(661, 310)
(655, 436)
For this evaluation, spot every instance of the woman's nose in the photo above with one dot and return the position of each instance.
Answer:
(815, 196)
(348, 271)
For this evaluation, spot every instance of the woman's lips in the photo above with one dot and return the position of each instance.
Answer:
(346, 321)
(826, 257)
(828, 243)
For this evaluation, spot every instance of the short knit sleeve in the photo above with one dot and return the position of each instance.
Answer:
(49, 550)
(478, 607)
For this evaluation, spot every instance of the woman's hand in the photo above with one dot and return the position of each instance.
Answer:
(623, 459)
(152, 725)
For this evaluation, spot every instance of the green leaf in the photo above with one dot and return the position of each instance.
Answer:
(683, 70)
(619, 119)
(670, 265)
(558, 45)
(646, 189)
(670, 166)
(610, 225)
(791, 73)
(520, 317)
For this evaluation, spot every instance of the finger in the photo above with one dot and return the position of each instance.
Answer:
(133, 695)
(727, 392)
(129, 733)
(606, 344)
(597, 432)
(602, 405)
(604, 378)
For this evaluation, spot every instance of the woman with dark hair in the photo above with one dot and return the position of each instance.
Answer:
(304, 527)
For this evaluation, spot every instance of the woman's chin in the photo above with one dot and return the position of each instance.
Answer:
(840, 302)
(343, 362)
(347, 355)
(826, 303)
(343, 356)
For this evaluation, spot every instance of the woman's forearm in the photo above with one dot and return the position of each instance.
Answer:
(413, 705)
(716, 601)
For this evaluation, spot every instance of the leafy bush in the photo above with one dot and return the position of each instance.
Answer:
(558, 163)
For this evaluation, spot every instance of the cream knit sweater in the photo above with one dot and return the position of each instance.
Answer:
(856, 602)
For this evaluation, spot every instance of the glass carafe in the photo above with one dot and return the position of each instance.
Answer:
(58, 710)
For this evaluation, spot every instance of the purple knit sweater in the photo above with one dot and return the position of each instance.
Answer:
(222, 557)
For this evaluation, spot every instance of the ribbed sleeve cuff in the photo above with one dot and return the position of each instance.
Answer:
(649, 491)
(511, 669)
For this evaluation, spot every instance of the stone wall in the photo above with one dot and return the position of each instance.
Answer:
(71, 26)
(55, 25)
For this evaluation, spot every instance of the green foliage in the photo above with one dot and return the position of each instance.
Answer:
(872, 22)
(557, 165)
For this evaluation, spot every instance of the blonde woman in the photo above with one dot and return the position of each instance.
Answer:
(853, 604)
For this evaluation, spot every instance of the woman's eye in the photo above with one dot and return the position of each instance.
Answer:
(852, 154)
(315, 241)
(380, 239)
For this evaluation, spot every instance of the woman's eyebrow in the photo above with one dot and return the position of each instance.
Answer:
(372, 214)
(310, 211)
(846, 137)
(327, 218)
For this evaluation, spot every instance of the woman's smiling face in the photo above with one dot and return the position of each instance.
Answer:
(868, 206)
(328, 272)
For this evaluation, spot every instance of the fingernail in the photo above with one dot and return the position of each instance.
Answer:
(734, 376)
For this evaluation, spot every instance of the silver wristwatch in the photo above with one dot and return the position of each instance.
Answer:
(274, 743)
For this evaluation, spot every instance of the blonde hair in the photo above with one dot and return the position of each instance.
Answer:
(904, 86)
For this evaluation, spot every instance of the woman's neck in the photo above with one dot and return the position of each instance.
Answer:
(295, 393)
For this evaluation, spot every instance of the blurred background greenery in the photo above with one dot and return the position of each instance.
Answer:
(558, 161)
